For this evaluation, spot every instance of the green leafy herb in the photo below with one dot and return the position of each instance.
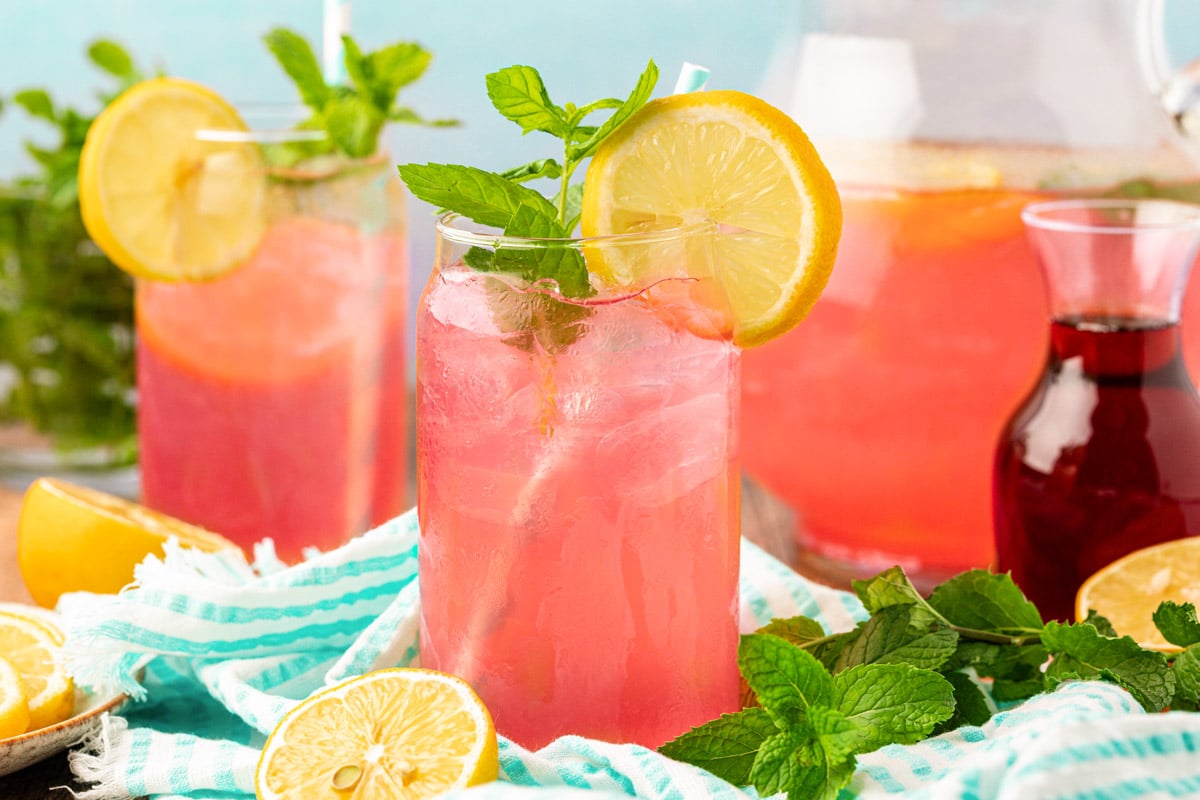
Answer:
(353, 116)
(917, 666)
(501, 200)
(66, 313)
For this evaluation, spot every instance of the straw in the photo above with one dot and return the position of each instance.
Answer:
(336, 23)
(692, 78)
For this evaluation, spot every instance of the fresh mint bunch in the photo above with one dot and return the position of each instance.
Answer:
(353, 116)
(917, 666)
(503, 201)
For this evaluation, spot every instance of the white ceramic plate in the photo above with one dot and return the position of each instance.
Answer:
(21, 751)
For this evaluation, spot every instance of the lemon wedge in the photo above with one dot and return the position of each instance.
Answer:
(14, 708)
(71, 538)
(1129, 590)
(160, 199)
(34, 653)
(736, 162)
(392, 733)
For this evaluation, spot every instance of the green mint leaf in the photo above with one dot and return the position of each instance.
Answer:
(394, 67)
(1004, 691)
(574, 205)
(893, 703)
(409, 117)
(1177, 623)
(1187, 678)
(797, 630)
(985, 601)
(1080, 652)
(889, 588)
(296, 57)
(786, 679)
(113, 59)
(839, 735)
(353, 125)
(485, 197)
(970, 703)
(542, 168)
(795, 762)
(518, 93)
(1002, 662)
(641, 93)
(563, 265)
(891, 636)
(37, 103)
(357, 67)
(727, 746)
(1101, 624)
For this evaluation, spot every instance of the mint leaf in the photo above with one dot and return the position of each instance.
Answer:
(113, 59)
(573, 205)
(353, 125)
(519, 94)
(892, 702)
(889, 588)
(641, 93)
(891, 636)
(797, 630)
(985, 601)
(727, 746)
(1187, 678)
(485, 197)
(394, 67)
(294, 54)
(1177, 623)
(542, 168)
(37, 103)
(786, 679)
(1080, 652)
(1101, 624)
(796, 763)
(839, 736)
(970, 704)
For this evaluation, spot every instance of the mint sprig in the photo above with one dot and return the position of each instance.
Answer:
(353, 116)
(917, 666)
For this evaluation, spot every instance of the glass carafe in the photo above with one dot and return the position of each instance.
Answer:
(940, 119)
(1100, 458)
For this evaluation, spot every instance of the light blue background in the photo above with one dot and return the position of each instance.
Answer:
(586, 50)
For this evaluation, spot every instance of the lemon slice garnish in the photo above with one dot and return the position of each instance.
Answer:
(732, 160)
(160, 199)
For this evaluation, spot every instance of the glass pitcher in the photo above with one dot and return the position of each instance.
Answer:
(940, 120)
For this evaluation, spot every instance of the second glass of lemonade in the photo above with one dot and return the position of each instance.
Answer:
(578, 491)
(260, 390)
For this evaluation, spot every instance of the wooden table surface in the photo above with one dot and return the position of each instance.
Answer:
(764, 521)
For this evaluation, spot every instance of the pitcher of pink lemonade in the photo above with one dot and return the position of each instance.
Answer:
(876, 420)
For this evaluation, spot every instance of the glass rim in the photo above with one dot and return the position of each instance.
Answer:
(266, 123)
(1042, 215)
(446, 228)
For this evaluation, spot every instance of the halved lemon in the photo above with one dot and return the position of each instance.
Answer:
(163, 199)
(14, 708)
(1130, 589)
(71, 538)
(392, 733)
(35, 654)
(736, 162)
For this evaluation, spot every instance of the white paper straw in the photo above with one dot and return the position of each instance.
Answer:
(336, 23)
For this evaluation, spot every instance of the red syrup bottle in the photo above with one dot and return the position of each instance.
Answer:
(1103, 456)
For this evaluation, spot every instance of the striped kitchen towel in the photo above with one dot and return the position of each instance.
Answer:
(215, 651)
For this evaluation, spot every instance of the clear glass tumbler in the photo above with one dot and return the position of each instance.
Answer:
(578, 490)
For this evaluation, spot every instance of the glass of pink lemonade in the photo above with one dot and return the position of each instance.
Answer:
(578, 492)
(260, 391)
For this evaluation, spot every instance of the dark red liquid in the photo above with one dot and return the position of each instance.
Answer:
(1101, 459)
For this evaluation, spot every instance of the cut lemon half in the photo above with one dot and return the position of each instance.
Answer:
(14, 708)
(71, 538)
(1129, 590)
(35, 654)
(162, 199)
(392, 733)
(737, 163)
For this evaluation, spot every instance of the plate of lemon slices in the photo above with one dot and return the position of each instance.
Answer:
(41, 710)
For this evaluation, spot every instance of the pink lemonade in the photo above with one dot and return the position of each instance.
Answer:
(389, 496)
(579, 517)
(258, 392)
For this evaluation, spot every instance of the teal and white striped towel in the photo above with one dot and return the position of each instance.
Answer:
(225, 649)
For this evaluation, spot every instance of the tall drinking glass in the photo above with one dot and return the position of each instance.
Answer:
(578, 491)
(259, 392)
